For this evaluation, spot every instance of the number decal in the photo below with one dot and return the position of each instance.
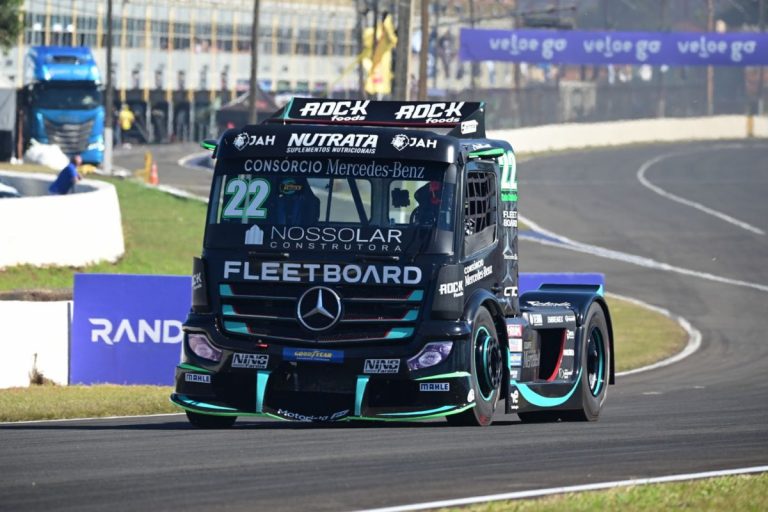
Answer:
(254, 192)
(508, 171)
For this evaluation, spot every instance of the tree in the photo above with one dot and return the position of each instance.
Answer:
(10, 23)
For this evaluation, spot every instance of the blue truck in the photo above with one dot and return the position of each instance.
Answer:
(64, 100)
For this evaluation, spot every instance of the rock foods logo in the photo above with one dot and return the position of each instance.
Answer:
(337, 110)
(402, 141)
(431, 112)
(244, 139)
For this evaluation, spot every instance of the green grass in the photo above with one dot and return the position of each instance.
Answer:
(743, 493)
(54, 402)
(162, 233)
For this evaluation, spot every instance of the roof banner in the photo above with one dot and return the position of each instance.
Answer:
(583, 47)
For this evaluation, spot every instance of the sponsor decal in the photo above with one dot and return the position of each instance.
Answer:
(434, 386)
(555, 319)
(569, 334)
(243, 140)
(381, 366)
(197, 377)
(336, 110)
(476, 271)
(515, 397)
(402, 141)
(539, 304)
(197, 280)
(250, 361)
(514, 373)
(431, 112)
(510, 255)
(468, 126)
(140, 331)
(350, 143)
(568, 352)
(289, 186)
(372, 169)
(570, 318)
(280, 165)
(515, 330)
(515, 344)
(279, 271)
(254, 235)
(509, 219)
(480, 145)
(531, 360)
(471, 395)
(456, 289)
(516, 359)
(313, 355)
(534, 318)
(315, 238)
(510, 291)
(564, 373)
(303, 417)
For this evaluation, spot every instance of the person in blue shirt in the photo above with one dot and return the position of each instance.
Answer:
(65, 181)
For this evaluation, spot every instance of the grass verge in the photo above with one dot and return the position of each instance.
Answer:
(742, 492)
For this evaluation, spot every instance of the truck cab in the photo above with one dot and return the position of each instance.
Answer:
(360, 262)
(64, 104)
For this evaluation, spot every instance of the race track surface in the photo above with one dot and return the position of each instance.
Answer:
(707, 412)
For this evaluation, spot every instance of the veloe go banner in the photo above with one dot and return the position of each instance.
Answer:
(126, 329)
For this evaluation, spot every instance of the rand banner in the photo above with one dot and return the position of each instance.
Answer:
(603, 47)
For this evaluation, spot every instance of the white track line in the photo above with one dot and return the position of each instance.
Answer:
(575, 488)
(687, 202)
(68, 420)
(567, 243)
(694, 336)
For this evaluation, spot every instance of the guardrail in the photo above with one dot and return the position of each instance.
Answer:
(64, 230)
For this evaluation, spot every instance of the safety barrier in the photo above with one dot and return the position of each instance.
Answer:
(64, 230)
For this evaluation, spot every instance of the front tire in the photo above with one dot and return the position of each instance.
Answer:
(210, 421)
(487, 371)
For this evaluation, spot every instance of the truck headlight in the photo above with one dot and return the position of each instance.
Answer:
(433, 353)
(199, 344)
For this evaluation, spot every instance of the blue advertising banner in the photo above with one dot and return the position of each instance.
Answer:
(126, 329)
(586, 47)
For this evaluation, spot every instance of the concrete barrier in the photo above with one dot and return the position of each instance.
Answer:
(578, 136)
(69, 230)
(34, 328)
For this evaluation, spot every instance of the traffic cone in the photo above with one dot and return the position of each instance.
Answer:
(153, 178)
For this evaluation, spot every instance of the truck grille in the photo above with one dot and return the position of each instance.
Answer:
(71, 138)
(368, 314)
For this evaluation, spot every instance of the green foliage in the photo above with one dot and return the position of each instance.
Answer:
(10, 23)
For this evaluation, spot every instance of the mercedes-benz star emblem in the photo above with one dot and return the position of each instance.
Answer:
(319, 308)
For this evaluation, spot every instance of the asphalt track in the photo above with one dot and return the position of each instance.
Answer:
(707, 412)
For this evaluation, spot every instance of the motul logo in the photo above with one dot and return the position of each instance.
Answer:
(335, 109)
(432, 112)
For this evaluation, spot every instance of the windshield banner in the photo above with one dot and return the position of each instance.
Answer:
(582, 47)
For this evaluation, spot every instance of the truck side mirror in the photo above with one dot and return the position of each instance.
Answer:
(400, 198)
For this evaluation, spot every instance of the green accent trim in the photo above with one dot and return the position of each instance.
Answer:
(274, 416)
(191, 367)
(236, 327)
(411, 315)
(228, 310)
(420, 413)
(509, 196)
(487, 152)
(203, 405)
(226, 291)
(454, 375)
(261, 389)
(601, 355)
(208, 144)
(287, 109)
(398, 333)
(427, 415)
(534, 398)
(362, 382)
(416, 295)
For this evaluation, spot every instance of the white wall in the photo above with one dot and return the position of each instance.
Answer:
(29, 328)
(69, 230)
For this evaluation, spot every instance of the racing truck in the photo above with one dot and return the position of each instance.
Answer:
(360, 263)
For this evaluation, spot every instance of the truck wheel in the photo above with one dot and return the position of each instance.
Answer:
(487, 364)
(210, 421)
(596, 367)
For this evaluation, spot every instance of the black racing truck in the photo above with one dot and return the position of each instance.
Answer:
(360, 263)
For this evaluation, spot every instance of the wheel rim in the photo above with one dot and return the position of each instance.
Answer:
(595, 361)
(487, 363)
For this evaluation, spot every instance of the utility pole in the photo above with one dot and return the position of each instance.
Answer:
(108, 99)
(401, 90)
(710, 69)
(253, 86)
(472, 67)
(424, 50)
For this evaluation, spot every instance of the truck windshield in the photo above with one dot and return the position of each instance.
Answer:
(55, 96)
(333, 204)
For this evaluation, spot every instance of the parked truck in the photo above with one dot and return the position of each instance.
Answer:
(63, 100)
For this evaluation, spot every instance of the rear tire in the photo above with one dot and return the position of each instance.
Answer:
(596, 367)
(487, 372)
(210, 421)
